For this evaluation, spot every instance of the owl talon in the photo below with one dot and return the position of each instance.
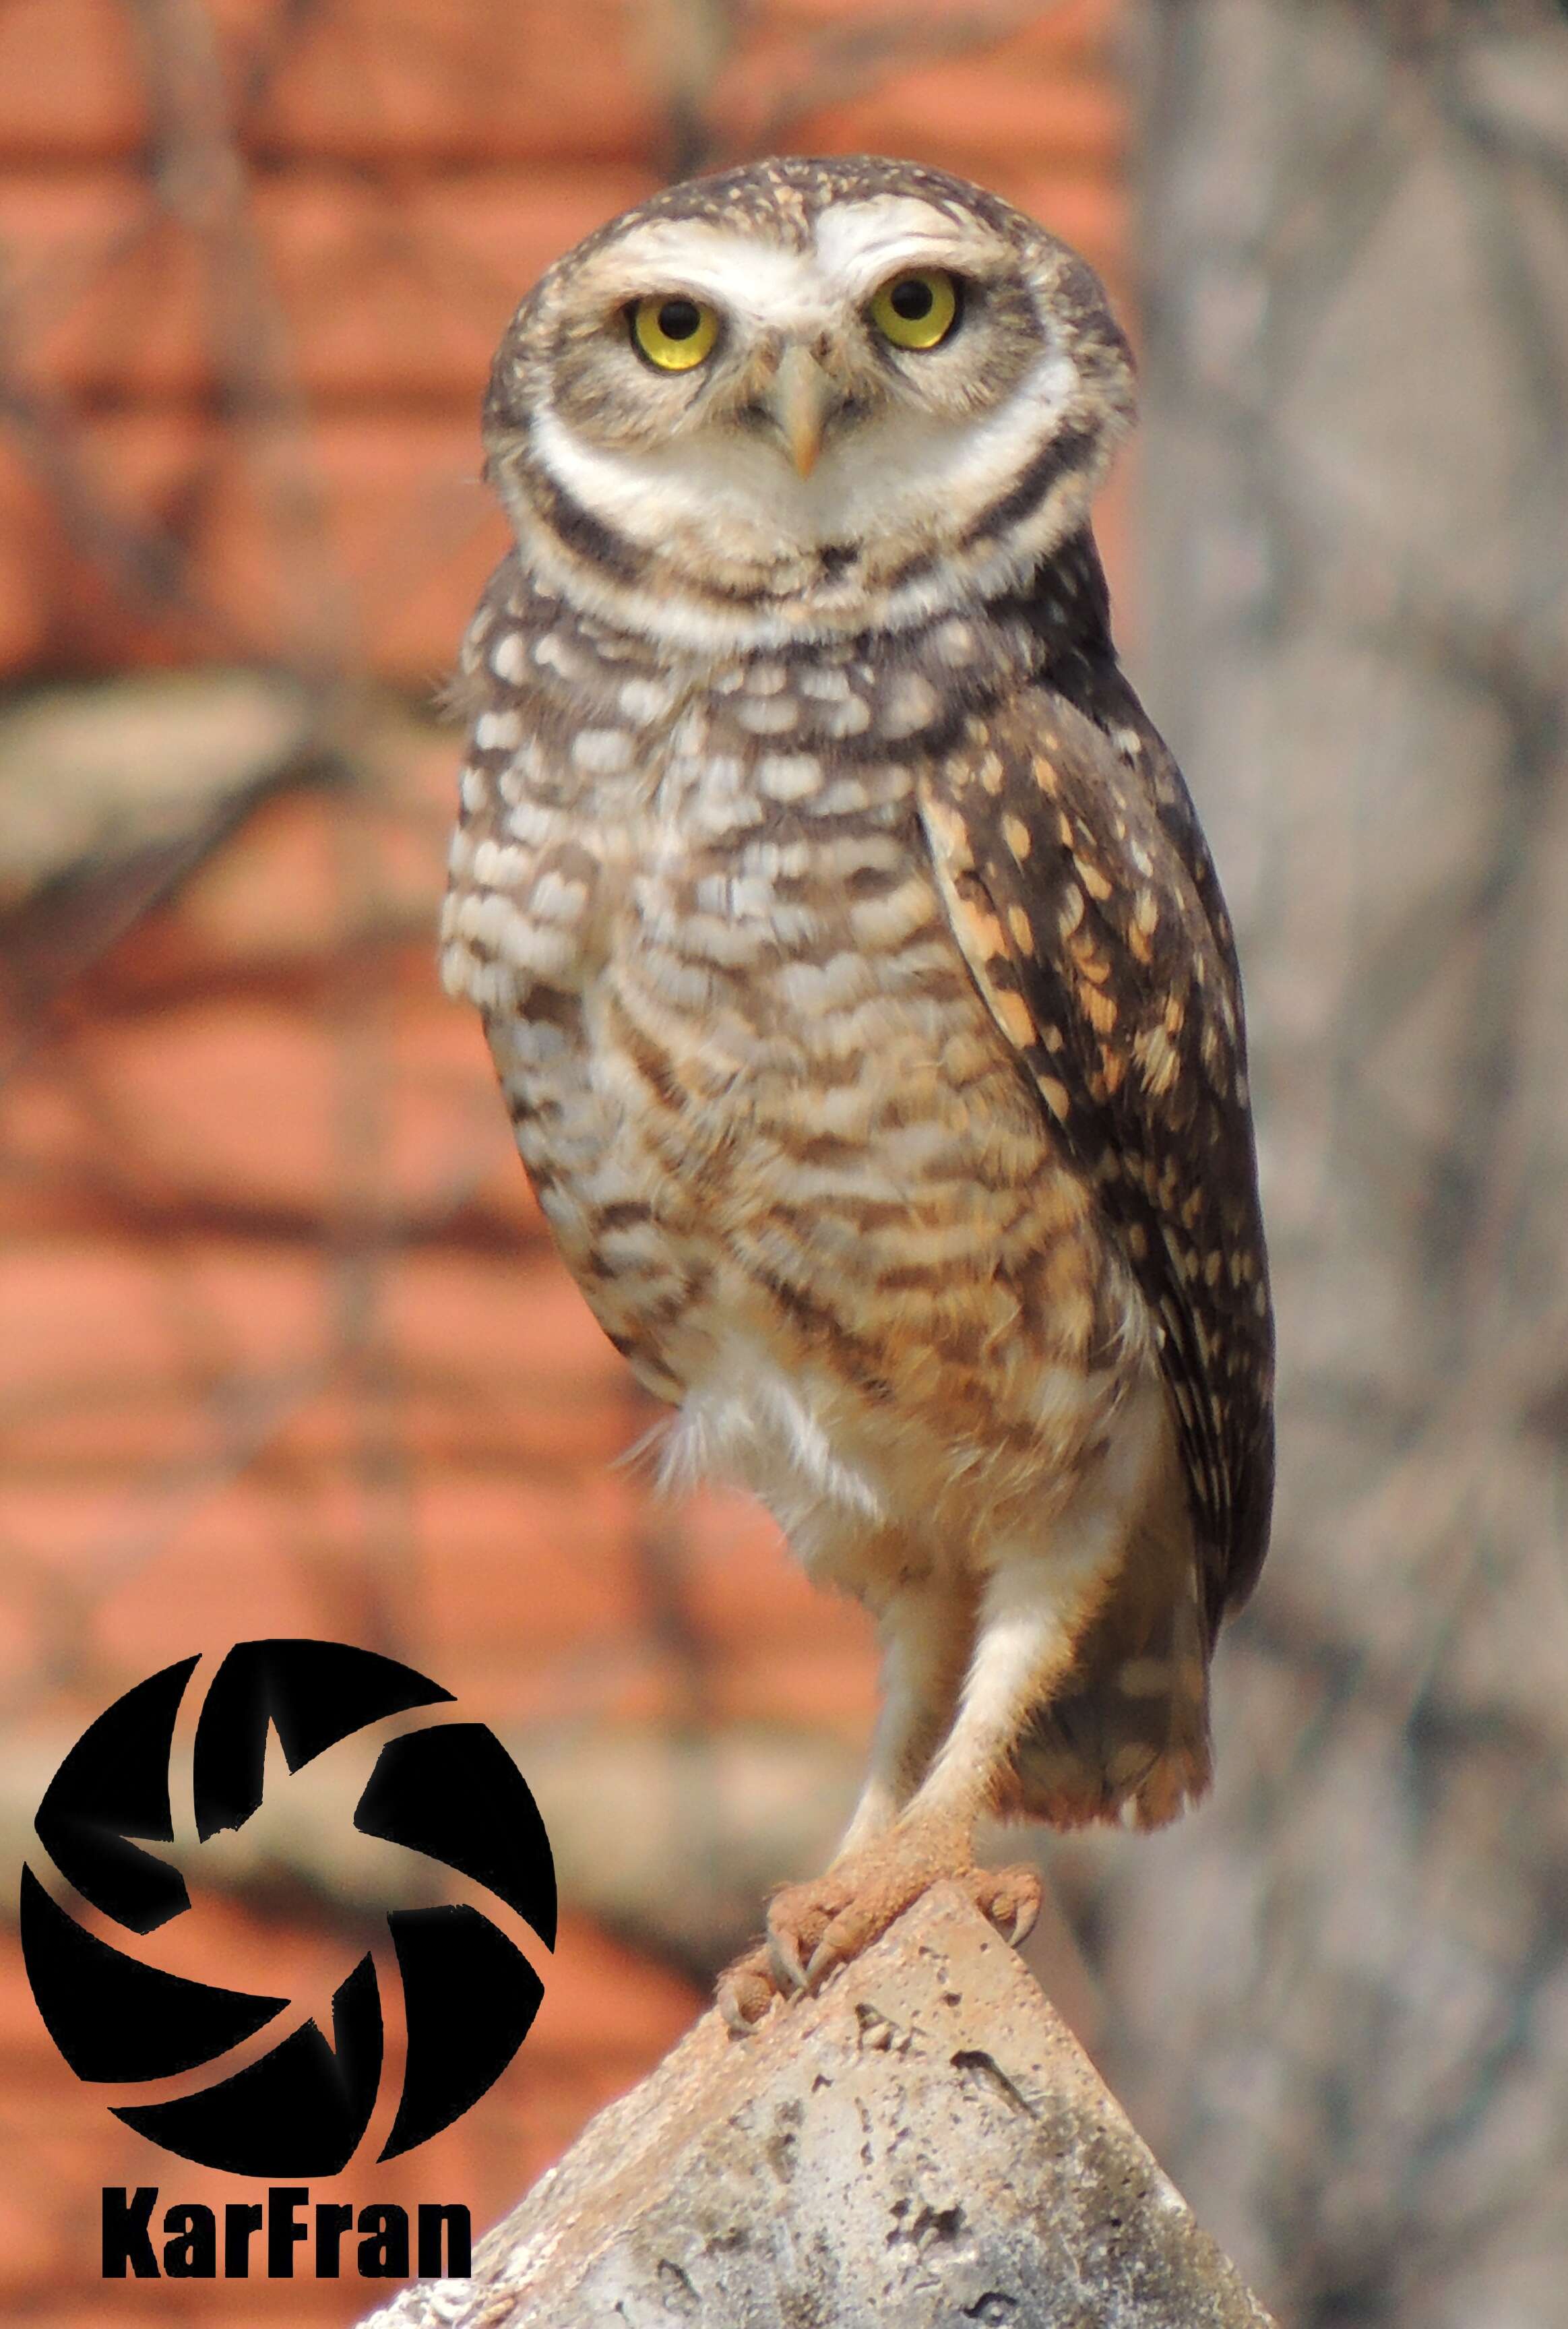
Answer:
(747, 1992)
(835, 1950)
(864, 1917)
(784, 1956)
(1010, 1899)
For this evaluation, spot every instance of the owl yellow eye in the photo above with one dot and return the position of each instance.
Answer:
(672, 333)
(916, 310)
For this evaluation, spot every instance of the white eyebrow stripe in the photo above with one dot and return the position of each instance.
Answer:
(860, 244)
(719, 265)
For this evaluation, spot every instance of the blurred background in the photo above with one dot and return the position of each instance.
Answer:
(283, 1346)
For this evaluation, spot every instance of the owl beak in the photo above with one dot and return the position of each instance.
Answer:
(801, 401)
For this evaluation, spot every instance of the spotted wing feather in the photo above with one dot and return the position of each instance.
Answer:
(1081, 893)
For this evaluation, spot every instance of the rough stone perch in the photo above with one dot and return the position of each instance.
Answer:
(924, 2144)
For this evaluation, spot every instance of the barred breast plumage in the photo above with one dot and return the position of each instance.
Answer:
(780, 1140)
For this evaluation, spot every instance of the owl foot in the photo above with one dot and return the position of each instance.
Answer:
(814, 1928)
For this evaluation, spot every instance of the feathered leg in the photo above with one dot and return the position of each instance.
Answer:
(1039, 1599)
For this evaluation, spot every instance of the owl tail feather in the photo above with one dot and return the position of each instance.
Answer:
(1125, 1736)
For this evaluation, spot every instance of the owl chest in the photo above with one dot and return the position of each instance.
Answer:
(731, 998)
(765, 1109)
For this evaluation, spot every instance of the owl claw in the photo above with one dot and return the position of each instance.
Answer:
(784, 1956)
(747, 1992)
(827, 1956)
(1023, 1918)
(1011, 1900)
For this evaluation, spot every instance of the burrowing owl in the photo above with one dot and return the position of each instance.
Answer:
(860, 984)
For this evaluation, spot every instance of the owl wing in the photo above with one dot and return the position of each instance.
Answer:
(1082, 893)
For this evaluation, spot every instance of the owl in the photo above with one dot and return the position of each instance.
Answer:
(860, 987)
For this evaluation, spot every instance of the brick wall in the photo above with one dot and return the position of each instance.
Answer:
(413, 165)
(283, 1347)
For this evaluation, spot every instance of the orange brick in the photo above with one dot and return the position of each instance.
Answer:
(418, 164)
(532, 1584)
(915, 92)
(746, 1594)
(22, 1643)
(76, 1316)
(359, 80)
(1072, 32)
(321, 872)
(248, 1110)
(69, 82)
(240, 1103)
(369, 538)
(33, 552)
(120, 1435)
(279, 898)
(520, 1327)
(453, 80)
(980, 115)
(411, 536)
(455, 1427)
(27, 2235)
(202, 1570)
(598, 1996)
(390, 292)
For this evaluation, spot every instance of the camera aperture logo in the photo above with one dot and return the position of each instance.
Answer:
(301, 2104)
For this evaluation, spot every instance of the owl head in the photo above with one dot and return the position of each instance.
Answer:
(805, 397)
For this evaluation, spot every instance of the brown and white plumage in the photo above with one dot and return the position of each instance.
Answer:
(860, 984)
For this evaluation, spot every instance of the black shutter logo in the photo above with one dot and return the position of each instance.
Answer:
(448, 1790)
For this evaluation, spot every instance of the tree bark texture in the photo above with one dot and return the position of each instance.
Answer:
(1339, 1997)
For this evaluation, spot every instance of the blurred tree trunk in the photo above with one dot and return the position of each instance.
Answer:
(1341, 1994)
